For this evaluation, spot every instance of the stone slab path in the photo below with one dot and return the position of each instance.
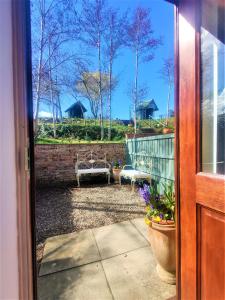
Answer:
(109, 262)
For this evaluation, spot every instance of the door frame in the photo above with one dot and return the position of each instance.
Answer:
(24, 146)
(187, 113)
(23, 108)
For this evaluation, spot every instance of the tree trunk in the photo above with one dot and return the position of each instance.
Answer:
(100, 86)
(58, 103)
(110, 77)
(53, 107)
(51, 92)
(136, 92)
(94, 109)
(168, 104)
(110, 99)
(59, 107)
(38, 86)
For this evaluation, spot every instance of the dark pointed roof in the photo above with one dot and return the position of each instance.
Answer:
(147, 104)
(172, 1)
(77, 104)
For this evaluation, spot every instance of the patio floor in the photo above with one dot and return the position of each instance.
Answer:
(109, 262)
(67, 209)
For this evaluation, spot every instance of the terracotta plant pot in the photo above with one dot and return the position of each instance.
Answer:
(116, 174)
(163, 241)
(167, 130)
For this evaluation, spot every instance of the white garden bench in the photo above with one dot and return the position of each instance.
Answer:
(89, 163)
(133, 175)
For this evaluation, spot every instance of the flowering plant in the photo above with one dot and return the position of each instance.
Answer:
(159, 208)
(117, 164)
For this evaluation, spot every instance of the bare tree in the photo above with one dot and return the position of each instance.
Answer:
(167, 74)
(114, 40)
(93, 26)
(88, 87)
(50, 31)
(141, 40)
(139, 96)
(52, 99)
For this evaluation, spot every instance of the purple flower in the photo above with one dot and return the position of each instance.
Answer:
(161, 216)
(145, 194)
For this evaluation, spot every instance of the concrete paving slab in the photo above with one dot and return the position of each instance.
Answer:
(118, 238)
(82, 283)
(133, 276)
(68, 251)
(139, 223)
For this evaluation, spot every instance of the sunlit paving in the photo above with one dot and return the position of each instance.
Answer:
(110, 262)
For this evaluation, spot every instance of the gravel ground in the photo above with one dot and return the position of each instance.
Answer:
(69, 209)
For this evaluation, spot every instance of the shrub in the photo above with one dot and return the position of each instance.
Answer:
(80, 132)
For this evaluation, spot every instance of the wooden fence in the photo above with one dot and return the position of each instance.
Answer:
(154, 155)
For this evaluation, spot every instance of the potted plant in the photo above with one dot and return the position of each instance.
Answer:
(116, 169)
(167, 130)
(160, 218)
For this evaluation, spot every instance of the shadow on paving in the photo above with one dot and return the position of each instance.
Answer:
(123, 267)
(61, 210)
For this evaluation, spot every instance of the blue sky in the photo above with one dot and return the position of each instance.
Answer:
(162, 14)
(162, 21)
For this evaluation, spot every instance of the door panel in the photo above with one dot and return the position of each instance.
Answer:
(212, 260)
(201, 138)
(210, 191)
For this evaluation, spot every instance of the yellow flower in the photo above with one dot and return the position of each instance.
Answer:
(147, 221)
(147, 208)
(157, 219)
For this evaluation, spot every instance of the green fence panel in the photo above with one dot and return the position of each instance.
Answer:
(153, 155)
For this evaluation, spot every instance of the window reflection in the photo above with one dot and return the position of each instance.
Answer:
(213, 87)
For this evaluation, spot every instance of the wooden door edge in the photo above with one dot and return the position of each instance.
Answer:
(21, 92)
(177, 150)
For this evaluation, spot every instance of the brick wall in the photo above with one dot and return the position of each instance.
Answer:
(55, 163)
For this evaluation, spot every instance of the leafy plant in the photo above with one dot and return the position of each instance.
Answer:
(159, 208)
(117, 164)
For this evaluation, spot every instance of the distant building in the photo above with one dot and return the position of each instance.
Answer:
(171, 113)
(76, 110)
(125, 122)
(146, 109)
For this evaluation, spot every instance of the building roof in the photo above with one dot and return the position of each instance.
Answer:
(147, 104)
(77, 104)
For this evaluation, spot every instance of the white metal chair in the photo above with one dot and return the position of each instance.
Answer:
(128, 172)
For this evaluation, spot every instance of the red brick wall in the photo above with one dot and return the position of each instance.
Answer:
(55, 163)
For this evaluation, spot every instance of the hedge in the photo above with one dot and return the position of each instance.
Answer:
(79, 132)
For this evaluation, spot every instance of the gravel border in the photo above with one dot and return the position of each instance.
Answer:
(61, 210)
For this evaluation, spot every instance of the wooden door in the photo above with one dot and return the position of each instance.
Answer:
(201, 149)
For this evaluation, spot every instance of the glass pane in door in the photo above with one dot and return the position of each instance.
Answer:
(213, 86)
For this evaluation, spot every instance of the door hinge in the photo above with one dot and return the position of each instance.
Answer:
(27, 158)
